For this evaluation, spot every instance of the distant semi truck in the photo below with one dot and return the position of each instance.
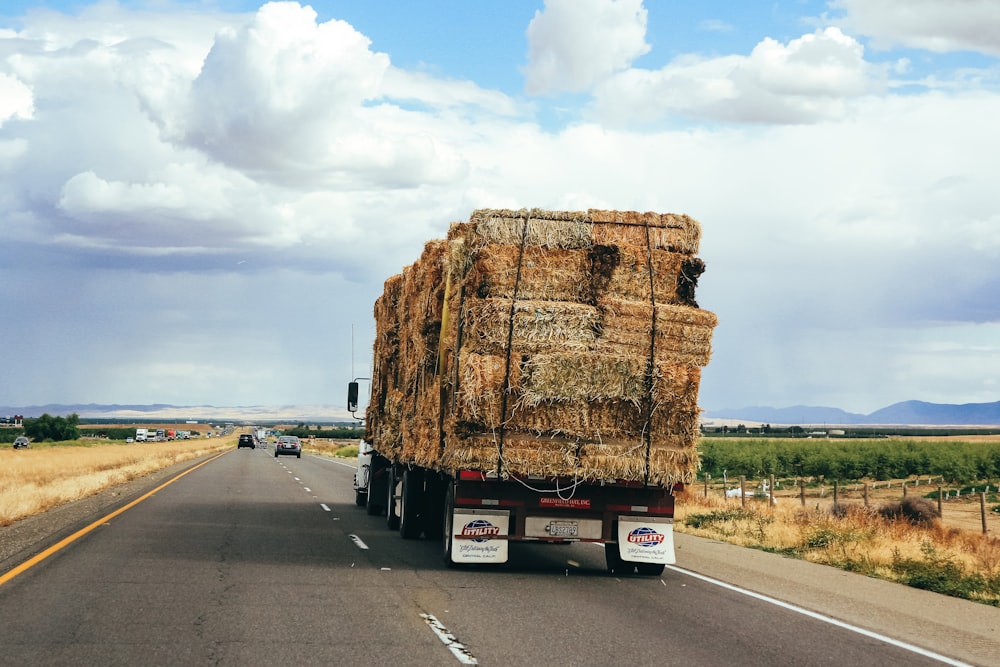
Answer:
(141, 435)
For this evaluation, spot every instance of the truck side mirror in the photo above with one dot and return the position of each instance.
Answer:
(352, 397)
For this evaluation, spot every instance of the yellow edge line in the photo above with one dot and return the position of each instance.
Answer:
(62, 544)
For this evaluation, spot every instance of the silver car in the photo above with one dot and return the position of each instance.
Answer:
(22, 443)
(288, 444)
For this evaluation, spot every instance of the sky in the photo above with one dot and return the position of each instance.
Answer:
(200, 200)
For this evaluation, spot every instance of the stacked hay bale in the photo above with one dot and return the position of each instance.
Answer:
(548, 343)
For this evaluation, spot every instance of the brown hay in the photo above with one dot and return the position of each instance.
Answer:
(683, 334)
(577, 229)
(581, 391)
(667, 231)
(547, 229)
(537, 325)
(546, 275)
(569, 377)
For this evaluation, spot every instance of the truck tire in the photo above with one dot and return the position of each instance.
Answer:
(613, 559)
(391, 510)
(649, 569)
(432, 518)
(616, 565)
(448, 519)
(376, 487)
(411, 506)
(360, 498)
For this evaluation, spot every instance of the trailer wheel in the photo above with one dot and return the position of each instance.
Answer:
(449, 511)
(376, 486)
(614, 561)
(432, 516)
(391, 510)
(649, 569)
(411, 504)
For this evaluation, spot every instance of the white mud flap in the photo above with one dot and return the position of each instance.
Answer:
(475, 534)
(646, 539)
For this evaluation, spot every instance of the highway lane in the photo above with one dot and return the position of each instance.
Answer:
(256, 560)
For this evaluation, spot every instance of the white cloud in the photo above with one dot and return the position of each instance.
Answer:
(962, 25)
(224, 182)
(806, 80)
(16, 100)
(574, 44)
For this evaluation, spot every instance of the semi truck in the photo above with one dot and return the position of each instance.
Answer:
(141, 434)
(535, 379)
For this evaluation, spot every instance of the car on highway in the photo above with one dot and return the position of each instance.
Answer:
(246, 440)
(21, 443)
(288, 444)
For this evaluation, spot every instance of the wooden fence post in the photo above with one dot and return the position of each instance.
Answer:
(836, 485)
(802, 491)
(940, 506)
(982, 508)
(904, 489)
(706, 484)
(866, 494)
(743, 492)
(770, 499)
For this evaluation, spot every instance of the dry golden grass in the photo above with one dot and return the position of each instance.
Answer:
(38, 479)
(855, 538)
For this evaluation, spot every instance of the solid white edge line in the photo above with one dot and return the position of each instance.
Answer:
(825, 619)
(449, 640)
(329, 460)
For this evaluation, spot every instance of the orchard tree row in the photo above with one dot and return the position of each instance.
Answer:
(850, 459)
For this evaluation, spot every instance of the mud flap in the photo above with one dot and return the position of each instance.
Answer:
(479, 536)
(646, 539)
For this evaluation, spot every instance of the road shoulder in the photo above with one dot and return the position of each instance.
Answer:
(957, 628)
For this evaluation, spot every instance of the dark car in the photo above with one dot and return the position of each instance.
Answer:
(288, 444)
(21, 443)
(246, 440)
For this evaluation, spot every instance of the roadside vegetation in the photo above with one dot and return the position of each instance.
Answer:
(898, 536)
(52, 473)
(337, 449)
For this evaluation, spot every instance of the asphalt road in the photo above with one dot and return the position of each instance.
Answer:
(252, 560)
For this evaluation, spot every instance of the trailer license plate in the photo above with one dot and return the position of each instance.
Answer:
(563, 529)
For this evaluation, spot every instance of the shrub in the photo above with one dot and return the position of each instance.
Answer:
(917, 511)
(718, 516)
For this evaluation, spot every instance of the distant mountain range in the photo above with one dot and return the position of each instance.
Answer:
(916, 413)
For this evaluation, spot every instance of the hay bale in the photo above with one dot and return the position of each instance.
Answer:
(537, 228)
(544, 275)
(679, 334)
(580, 352)
(667, 231)
(530, 326)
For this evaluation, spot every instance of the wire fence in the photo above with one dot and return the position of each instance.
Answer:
(956, 505)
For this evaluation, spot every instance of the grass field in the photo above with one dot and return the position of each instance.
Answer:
(950, 556)
(50, 474)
